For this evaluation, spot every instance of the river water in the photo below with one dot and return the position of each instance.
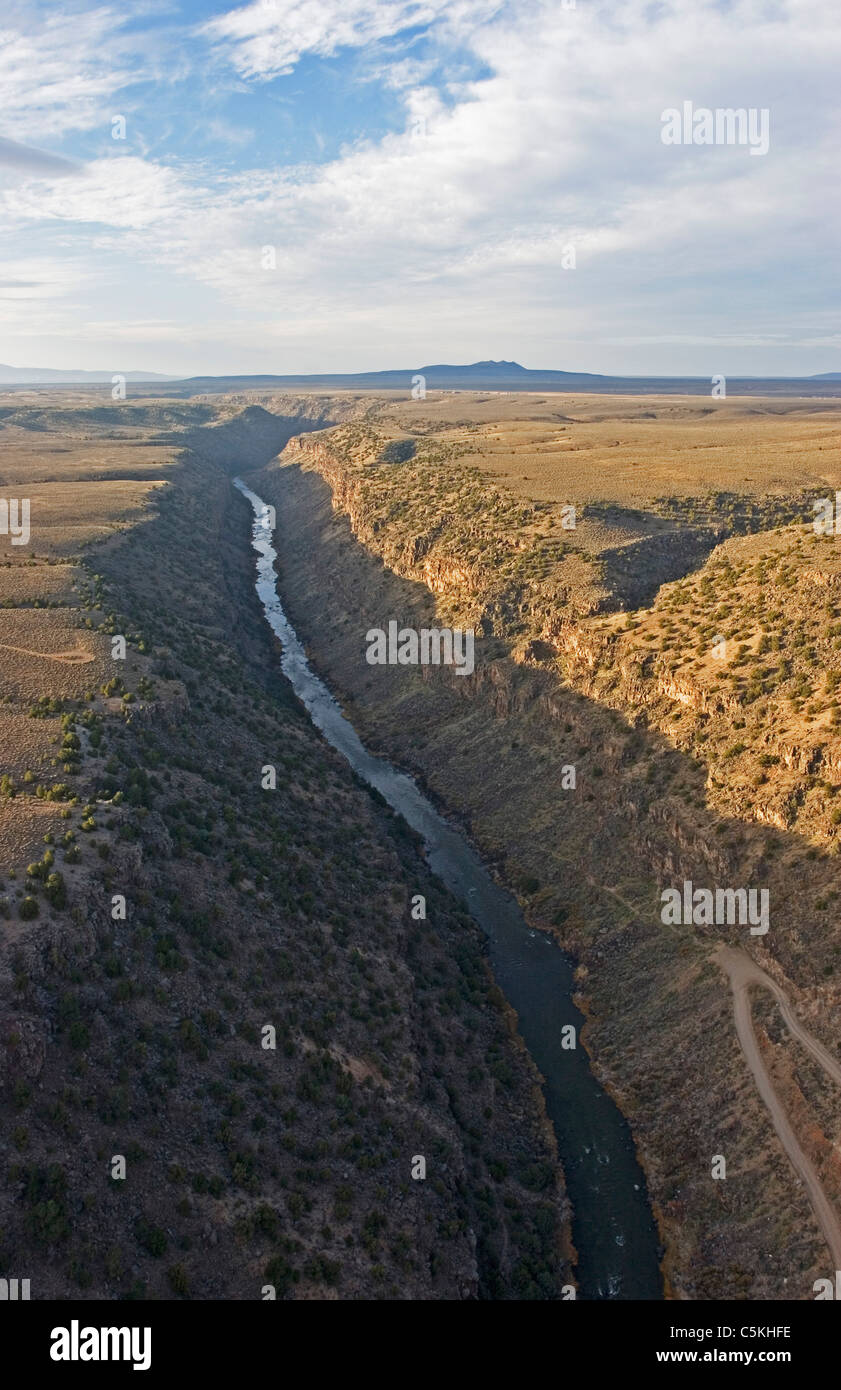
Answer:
(612, 1226)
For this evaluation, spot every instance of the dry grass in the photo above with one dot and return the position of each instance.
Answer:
(38, 456)
(630, 450)
(66, 517)
(42, 653)
(29, 745)
(33, 581)
(23, 824)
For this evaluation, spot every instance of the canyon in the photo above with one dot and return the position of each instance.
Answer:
(563, 677)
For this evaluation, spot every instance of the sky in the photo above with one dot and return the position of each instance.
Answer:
(294, 186)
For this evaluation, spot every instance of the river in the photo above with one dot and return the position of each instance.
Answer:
(612, 1226)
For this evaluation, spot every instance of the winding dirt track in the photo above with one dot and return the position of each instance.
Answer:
(743, 972)
(74, 657)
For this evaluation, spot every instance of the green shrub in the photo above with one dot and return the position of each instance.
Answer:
(55, 890)
(280, 1273)
(178, 1281)
(151, 1238)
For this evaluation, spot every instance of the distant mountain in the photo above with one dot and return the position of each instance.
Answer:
(440, 376)
(499, 376)
(496, 371)
(52, 376)
(491, 376)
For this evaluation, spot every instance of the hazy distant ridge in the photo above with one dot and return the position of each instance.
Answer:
(487, 375)
(53, 376)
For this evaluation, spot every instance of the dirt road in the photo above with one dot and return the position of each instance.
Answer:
(743, 972)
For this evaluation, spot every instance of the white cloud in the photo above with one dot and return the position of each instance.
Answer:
(268, 37)
(60, 72)
(43, 291)
(123, 192)
(27, 278)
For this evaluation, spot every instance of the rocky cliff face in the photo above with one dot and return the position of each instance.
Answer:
(440, 574)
